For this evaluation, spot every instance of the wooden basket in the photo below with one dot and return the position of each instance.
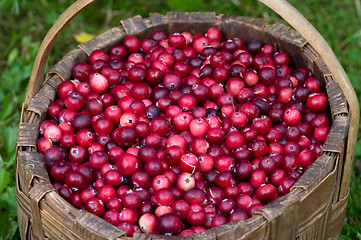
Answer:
(315, 207)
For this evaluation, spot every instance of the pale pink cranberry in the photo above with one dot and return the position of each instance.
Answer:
(161, 210)
(44, 144)
(199, 145)
(147, 223)
(161, 182)
(53, 133)
(185, 181)
(98, 83)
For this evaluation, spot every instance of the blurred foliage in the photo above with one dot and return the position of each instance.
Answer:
(24, 24)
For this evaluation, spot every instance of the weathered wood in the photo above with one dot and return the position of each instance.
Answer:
(310, 56)
(156, 18)
(316, 201)
(54, 81)
(34, 165)
(337, 135)
(283, 217)
(36, 194)
(337, 100)
(27, 135)
(39, 105)
(23, 222)
(193, 22)
(253, 228)
(337, 216)
(133, 25)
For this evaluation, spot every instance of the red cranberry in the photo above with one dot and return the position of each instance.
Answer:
(313, 84)
(254, 208)
(75, 180)
(286, 184)
(125, 136)
(215, 195)
(291, 162)
(126, 164)
(259, 148)
(132, 44)
(160, 125)
(98, 83)
(258, 177)
(292, 116)
(317, 102)
(200, 43)
(218, 220)
(266, 192)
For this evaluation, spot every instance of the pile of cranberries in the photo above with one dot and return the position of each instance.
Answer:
(177, 134)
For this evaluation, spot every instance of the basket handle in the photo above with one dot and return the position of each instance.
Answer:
(37, 73)
(314, 38)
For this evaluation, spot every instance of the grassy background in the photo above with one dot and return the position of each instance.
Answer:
(24, 23)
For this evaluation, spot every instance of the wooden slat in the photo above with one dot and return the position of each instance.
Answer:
(54, 81)
(283, 217)
(193, 22)
(28, 134)
(318, 182)
(337, 99)
(156, 18)
(336, 138)
(337, 216)
(133, 25)
(39, 105)
(36, 194)
(246, 28)
(253, 228)
(34, 165)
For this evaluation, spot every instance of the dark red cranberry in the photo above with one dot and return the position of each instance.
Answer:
(172, 81)
(59, 169)
(215, 195)
(243, 170)
(52, 155)
(286, 184)
(169, 224)
(65, 192)
(195, 196)
(160, 125)
(124, 136)
(218, 220)
(75, 180)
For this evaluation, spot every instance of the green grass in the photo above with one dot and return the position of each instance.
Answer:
(24, 23)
